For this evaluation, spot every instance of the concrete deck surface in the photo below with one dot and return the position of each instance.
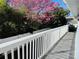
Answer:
(64, 49)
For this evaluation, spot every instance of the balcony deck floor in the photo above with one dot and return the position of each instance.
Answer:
(64, 49)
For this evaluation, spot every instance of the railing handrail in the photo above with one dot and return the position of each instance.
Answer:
(26, 34)
(10, 45)
(32, 35)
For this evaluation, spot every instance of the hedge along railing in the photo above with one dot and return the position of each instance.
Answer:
(33, 46)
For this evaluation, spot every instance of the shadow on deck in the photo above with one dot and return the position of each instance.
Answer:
(64, 49)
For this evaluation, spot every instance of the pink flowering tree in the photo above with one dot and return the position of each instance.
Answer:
(41, 8)
(37, 6)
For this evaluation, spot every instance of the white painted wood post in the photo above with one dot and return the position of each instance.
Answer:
(18, 52)
(27, 51)
(23, 51)
(6, 56)
(12, 54)
(33, 50)
(30, 50)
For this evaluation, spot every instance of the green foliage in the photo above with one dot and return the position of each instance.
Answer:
(60, 16)
(2, 3)
(61, 12)
(11, 22)
(14, 22)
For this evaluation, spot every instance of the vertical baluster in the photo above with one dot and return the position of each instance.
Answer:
(30, 50)
(12, 51)
(18, 52)
(39, 46)
(42, 45)
(23, 51)
(36, 48)
(45, 42)
(27, 51)
(33, 49)
(49, 39)
(6, 56)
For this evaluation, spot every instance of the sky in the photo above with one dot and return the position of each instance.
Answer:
(62, 4)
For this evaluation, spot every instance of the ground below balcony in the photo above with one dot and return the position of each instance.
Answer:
(64, 49)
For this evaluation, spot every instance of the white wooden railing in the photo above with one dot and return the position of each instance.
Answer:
(33, 46)
(77, 43)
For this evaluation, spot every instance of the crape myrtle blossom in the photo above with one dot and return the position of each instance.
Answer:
(40, 7)
(47, 17)
(33, 5)
(42, 18)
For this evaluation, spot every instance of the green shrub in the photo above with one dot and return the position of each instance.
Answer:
(12, 23)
